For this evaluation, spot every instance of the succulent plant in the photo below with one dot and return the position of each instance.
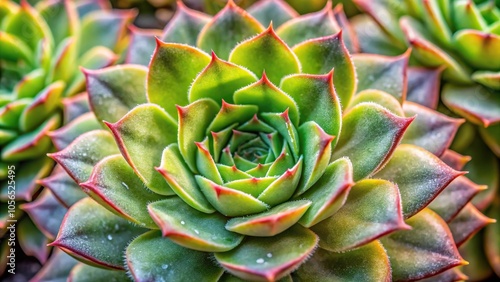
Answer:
(459, 38)
(277, 157)
(41, 49)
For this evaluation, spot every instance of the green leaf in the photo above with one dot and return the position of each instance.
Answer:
(94, 235)
(61, 17)
(367, 263)
(31, 84)
(228, 201)
(269, 258)
(316, 99)
(252, 185)
(141, 135)
(230, 114)
(219, 80)
(215, 36)
(32, 144)
(379, 97)
(491, 136)
(480, 49)
(114, 186)
(314, 25)
(419, 175)
(42, 106)
(283, 188)
(111, 98)
(426, 250)
(487, 78)
(277, 12)
(80, 157)
(430, 55)
(430, 130)
(316, 149)
(321, 55)
(388, 74)
(62, 66)
(167, 70)
(181, 180)
(10, 112)
(477, 104)
(13, 48)
(329, 193)
(372, 210)
(83, 272)
(191, 228)
(492, 236)
(369, 136)
(62, 137)
(271, 222)
(173, 263)
(185, 25)
(104, 28)
(194, 120)
(267, 53)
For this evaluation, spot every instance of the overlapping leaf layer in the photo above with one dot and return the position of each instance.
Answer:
(262, 154)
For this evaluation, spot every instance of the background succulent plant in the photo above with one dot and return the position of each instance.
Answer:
(210, 151)
(459, 38)
(41, 49)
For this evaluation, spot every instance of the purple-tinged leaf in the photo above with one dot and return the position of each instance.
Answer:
(141, 135)
(467, 223)
(350, 38)
(191, 228)
(185, 25)
(372, 210)
(214, 36)
(80, 157)
(454, 197)
(142, 45)
(63, 187)
(32, 241)
(269, 258)
(110, 98)
(94, 235)
(316, 99)
(367, 263)
(267, 53)
(219, 80)
(75, 106)
(114, 185)
(26, 179)
(454, 274)
(430, 130)
(314, 25)
(194, 120)
(476, 103)
(425, 250)
(424, 86)
(420, 176)
(83, 273)
(329, 193)
(388, 74)
(56, 269)
(62, 137)
(454, 159)
(172, 263)
(167, 70)
(371, 134)
(46, 213)
(277, 12)
(271, 222)
(181, 180)
(321, 55)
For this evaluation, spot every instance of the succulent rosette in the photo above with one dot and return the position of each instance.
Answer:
(460, 39)
(41, 49)
(253, 153)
